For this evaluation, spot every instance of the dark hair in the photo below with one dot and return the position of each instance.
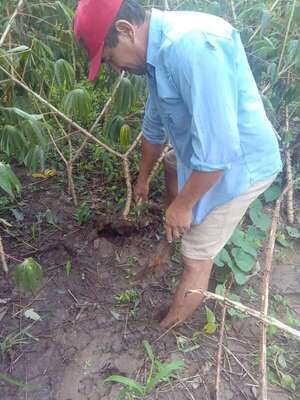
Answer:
(132, 12)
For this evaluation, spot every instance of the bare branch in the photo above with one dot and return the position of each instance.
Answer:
(10, 22)
(250, 311)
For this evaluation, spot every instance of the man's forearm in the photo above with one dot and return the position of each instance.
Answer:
(150, 154)
(196, 186)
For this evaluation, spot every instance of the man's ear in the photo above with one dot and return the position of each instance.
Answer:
(125, 29)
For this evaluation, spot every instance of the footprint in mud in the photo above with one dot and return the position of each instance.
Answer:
(83, 378)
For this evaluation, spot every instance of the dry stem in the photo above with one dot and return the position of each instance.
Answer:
(250, 311)
(158, 162)
(10, 22)
(2, 256)
(265, 295)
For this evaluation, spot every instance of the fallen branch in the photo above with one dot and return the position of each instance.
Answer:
(3, 258)
(10, 22)
(250, 311)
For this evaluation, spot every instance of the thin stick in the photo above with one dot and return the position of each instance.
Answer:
(250, 311)
(289, 172)
(220, 347)
(265, 296)
(2, 256)
(10, 22)
(129, 187)
(158, 162)
(134, 144)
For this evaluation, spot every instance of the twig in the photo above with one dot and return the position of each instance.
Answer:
(158, 162)
(220, 346)
(265, 295)
(2, 256)
(289, 172)
(250, 311)
(10, 22)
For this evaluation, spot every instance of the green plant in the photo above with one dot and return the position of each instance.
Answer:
(83, 214)
(158, 372)
(128, 296)
(8, 181)
(211, 325)
(28, 275)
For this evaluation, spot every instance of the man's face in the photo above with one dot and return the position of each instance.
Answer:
(126, 56)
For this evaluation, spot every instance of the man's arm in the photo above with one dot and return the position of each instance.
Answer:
(179, 214)
(150, 154)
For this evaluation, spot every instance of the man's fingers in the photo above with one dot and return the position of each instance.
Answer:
(169, 233)
(176, 233)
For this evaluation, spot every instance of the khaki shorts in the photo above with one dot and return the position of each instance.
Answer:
(204, 241)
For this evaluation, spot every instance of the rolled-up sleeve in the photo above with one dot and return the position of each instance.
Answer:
(152, 128)
(204, 74)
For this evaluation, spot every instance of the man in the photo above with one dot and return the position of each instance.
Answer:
(203, 97)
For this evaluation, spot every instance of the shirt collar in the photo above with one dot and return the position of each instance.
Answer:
(155, 36)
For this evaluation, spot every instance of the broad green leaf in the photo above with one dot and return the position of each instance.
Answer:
(210, 328)
(28, 275)
(243, 260)
(8, 180)
(134, 386)
(258, 217)
(293, 232)
(272, 193)
(287, 382)
(13, 142)
(19, 49)
(223, 258)
(77, 104)
(210, 316)
(15, 114)
(240, 277)
(64, 73)
(35, 159)
(242, 240)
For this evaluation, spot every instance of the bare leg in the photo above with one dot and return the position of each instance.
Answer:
(196, 275)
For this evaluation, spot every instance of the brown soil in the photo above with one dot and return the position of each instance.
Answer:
(84, 335)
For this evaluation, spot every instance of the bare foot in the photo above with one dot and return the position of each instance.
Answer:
(195, 276)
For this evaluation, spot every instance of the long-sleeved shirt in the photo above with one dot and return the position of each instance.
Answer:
(203, 97)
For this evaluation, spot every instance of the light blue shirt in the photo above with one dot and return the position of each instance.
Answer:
(203, 97)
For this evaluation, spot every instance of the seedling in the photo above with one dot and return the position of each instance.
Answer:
(83, 214)
(156, 373)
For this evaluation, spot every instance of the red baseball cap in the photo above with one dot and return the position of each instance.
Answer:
(93, 19)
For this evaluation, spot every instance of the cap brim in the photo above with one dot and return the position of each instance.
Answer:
(95, 64)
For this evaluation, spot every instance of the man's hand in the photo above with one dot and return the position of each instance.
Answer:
(141, 192)
(178, 220)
